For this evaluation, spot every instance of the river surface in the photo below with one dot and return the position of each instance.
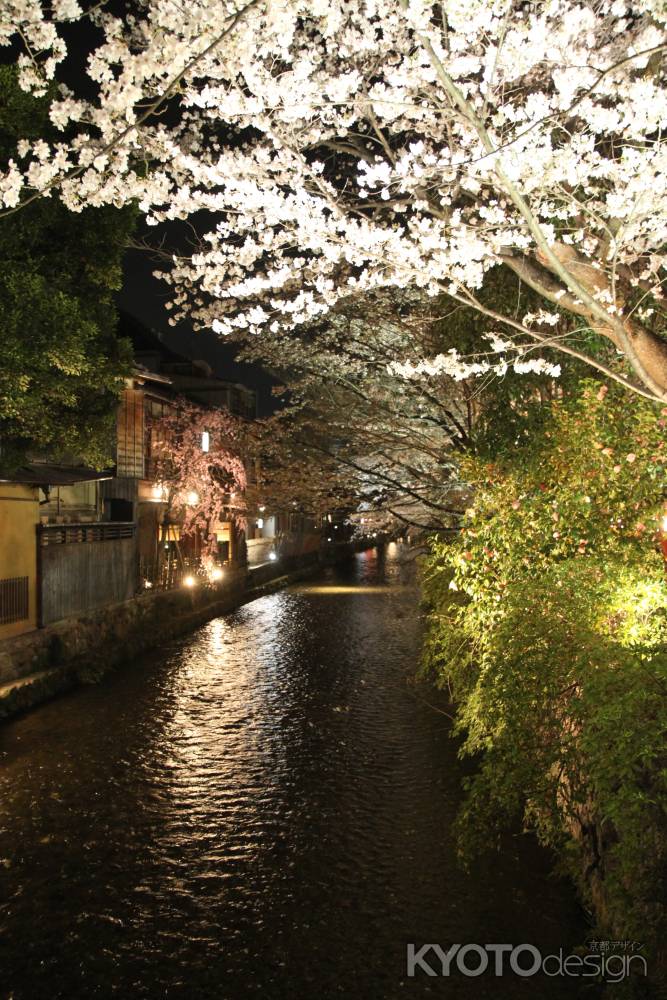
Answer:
(260, 809)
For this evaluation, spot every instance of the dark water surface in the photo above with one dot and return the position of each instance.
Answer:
(262, 808)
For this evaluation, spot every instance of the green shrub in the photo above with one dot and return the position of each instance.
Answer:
(548, 622)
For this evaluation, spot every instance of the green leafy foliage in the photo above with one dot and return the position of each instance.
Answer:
(63, 366)
(548, 622)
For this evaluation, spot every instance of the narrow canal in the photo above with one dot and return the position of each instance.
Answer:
(262, 808)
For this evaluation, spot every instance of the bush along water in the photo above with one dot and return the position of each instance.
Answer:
(548, 623)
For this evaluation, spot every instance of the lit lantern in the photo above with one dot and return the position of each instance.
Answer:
(189, 581)
(192, 498)
(260, 522)
(272, 556)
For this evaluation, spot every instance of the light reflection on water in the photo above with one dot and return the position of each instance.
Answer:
(260, 809)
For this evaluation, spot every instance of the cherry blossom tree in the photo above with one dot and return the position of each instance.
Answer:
(354, 433)
(359, 434)
(198, 468)
(343, 147)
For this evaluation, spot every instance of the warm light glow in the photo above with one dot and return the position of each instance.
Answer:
(272, 556)
(147, 584)
(158, 492)
(262, 509)
(664, 523)
(189, 581)
(193, 498)
(205, 440)
(260, 522)
(216, 573)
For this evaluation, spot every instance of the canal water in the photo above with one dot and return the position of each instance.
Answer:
(260, 809)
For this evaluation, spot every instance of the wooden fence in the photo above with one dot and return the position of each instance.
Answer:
(82, 567)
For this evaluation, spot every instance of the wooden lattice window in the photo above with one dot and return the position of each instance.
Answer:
(131, 444)
(13, 599)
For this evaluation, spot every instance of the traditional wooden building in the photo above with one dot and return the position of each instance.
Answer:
(159, 378)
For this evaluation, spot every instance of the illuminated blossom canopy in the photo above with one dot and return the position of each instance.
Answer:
(347, 145)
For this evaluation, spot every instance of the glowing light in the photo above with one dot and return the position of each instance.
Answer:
(193, 498)
(205, 440)
(260, 522)
(216, 573)
(158, 492)
(664, 523)
(189, 581)
(261, 509)
(272, 556)
(147, 584)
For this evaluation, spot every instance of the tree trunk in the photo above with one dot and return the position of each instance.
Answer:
(645, 351)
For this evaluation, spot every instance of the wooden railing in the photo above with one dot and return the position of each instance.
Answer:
(97, 531)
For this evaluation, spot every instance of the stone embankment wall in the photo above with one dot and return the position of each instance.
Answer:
(39, 664)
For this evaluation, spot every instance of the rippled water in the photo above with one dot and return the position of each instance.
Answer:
(260, 809)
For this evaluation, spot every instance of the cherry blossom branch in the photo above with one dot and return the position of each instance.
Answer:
(152, 109)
